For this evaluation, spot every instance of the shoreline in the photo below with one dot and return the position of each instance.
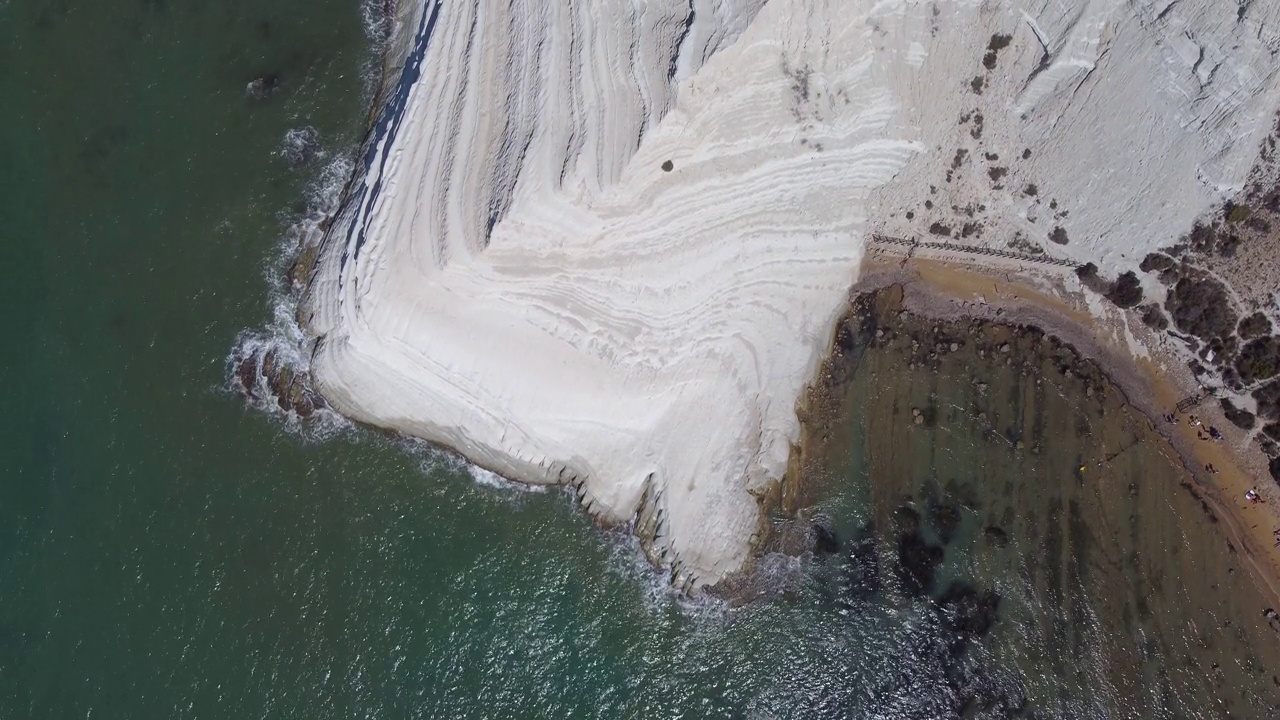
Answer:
(948, 290)
(331, 306)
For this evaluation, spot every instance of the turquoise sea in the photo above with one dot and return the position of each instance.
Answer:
(167, 551)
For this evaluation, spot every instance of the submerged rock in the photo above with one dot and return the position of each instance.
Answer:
(946, 520)
(263, 86)
(906, 519)
(996, 536)
(260, 374)
(823, 538)
(968, 612)
(918, 563)
(862, 567)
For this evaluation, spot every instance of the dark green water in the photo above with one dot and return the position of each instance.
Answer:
(166, 552)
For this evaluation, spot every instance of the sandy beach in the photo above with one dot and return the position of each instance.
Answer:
(1154, 385)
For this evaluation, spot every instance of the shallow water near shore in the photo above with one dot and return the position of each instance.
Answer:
(1034, 479)
(167, 552)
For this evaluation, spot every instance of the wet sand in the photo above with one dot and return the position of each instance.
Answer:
(1131, 586)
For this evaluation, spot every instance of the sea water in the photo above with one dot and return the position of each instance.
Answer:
(168, 551)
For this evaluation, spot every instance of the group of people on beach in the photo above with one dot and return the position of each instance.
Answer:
(1207, 433)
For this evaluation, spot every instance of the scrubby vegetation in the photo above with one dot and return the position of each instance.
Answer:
(1201, 238)
(1234, 213)
(1259, 359)
(998, 43)
(1253, 326)
(1239, 417)
(1156, 262)
(1220, 280)
(1088, 274)
(1154, 318)
(1201, 306)
(1059, 235)
(1126, 291)
(1268, 399)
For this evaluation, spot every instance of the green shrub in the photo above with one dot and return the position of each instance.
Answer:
(1154, 262)
(1200, 306)
(1235, 213)
(1154, 318)
(1239, 417)
(1259, 359)
(1253, 326)
(1268, 399)
(1126, 291)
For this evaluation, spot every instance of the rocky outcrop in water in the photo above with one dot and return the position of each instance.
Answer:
(261, 374)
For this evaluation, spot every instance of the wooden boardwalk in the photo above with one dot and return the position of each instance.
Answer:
(915, 244)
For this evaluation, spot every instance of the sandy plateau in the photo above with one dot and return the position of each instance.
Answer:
(605, 244)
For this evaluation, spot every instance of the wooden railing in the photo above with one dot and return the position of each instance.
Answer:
(914, 244)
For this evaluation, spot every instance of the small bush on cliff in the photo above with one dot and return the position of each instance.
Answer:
(1233, 213)
(1157, 262)
(1126, 292)
(1201, 238)
(1089, 277)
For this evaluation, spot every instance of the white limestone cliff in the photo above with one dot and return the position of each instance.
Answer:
(605, 242)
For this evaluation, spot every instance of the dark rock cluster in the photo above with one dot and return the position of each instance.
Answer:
(261, 374)
(938, 661)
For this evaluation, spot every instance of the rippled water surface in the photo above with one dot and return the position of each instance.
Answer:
(167, 552)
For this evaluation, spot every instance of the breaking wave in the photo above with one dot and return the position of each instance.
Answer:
(270, 365)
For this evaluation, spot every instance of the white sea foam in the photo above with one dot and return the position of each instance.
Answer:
(493, 480)
(282, 341)
(604, 244)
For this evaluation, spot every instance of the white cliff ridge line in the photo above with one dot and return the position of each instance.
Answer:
(518, 275)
